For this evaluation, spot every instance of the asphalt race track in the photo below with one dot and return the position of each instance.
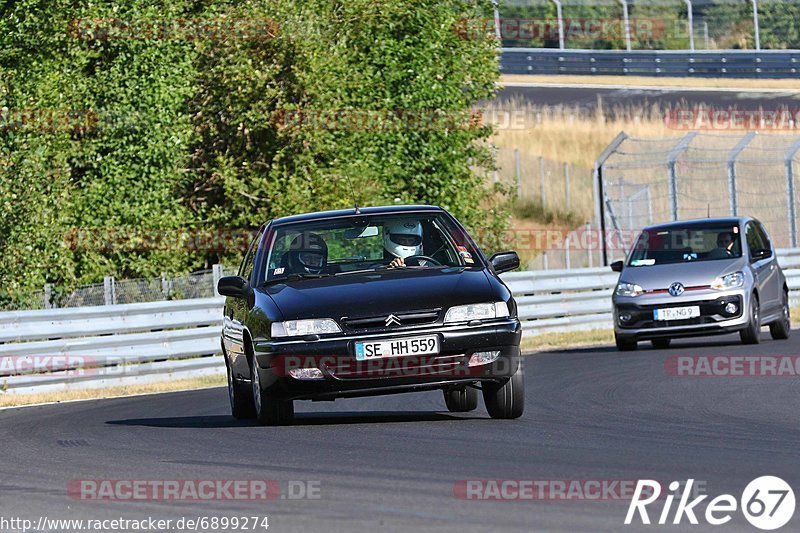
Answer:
(390, 463)
(586, 98)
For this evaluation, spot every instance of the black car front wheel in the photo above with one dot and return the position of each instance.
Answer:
(461, 399)
(269, 411)
(506, 399)
(752, 333)
(240, 397)
(781, 328)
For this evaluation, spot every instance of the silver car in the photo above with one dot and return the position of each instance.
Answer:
(700, 277)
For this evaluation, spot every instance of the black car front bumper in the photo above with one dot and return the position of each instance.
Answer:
(344, 376)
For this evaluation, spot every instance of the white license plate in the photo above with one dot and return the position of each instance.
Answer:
(428, 345)
(677, 313)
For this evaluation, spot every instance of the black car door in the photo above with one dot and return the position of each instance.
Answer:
(236, 310)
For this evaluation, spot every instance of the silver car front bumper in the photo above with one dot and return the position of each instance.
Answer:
(713, 318)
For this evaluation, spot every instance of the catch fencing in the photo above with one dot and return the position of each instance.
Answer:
(645, 181)
(100, 346)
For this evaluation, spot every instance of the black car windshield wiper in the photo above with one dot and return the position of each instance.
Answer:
(296, 276)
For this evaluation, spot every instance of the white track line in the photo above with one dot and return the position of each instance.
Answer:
(663, 88)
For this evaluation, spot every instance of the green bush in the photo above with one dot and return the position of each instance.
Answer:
(163, 135)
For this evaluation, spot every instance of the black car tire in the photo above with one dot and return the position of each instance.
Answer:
(624, 344)
(752, 333)
(241, 398)
(507, 399)
(781, 328)
(661, 344)
(269, 411)
(461, 399)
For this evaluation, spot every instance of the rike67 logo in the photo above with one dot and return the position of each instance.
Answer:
(767, 503)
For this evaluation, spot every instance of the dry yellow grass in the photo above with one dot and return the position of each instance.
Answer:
(572, 339)
(571, 135)
(13, 400)
(788, 84)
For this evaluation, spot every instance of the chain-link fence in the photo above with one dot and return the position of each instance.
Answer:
(201, 284)
(647, 181)
(647, 24)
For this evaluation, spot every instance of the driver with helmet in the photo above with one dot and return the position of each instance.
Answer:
(401, 239)
(308, 254)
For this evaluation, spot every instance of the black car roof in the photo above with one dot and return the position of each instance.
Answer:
(381, 210)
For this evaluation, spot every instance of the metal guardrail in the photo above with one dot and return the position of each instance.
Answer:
(701, 64)
(93, 347)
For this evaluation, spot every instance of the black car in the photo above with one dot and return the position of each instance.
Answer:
(370, 301)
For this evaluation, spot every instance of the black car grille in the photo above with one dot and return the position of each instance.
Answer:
(379, 322)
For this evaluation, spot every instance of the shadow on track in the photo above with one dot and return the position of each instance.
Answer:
(300, 419)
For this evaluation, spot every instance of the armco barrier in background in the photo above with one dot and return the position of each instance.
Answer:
(48, 350)
(699, 64)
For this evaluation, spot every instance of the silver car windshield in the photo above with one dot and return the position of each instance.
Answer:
(686, 244)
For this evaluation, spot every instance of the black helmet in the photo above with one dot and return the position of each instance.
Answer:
(308, 254)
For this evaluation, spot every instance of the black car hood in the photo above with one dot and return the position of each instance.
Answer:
(380, 292)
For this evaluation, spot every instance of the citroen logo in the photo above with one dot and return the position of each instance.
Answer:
(392, 320)
(676, 289)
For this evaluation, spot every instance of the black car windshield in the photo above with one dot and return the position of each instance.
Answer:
(369, 242)
(675, 244)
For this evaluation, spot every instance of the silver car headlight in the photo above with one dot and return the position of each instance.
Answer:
(729, 281)
(628, 289)
(298, 328)
(465, 313)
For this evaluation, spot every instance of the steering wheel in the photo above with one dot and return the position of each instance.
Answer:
(418, 258)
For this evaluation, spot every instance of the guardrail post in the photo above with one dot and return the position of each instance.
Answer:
(48, 296)
(741, 145)
(789, 162)
(216, 274)
(109, 290)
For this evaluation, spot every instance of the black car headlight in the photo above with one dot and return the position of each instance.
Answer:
(467, 313)
(300, 328)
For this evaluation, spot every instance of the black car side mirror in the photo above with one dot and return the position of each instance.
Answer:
(235, 286)
(616, 266)
(504, 261)
(763, 253)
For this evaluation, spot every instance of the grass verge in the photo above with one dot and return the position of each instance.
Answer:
(14, 400)
(567, 339)
(711, 83)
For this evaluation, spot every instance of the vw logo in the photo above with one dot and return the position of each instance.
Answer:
(676, 289)
(392, 320)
